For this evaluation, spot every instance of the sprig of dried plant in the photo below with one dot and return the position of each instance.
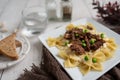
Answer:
(109, 12)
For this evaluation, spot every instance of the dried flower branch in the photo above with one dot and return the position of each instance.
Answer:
(109, 12)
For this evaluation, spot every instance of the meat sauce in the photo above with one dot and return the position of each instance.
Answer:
(82, 40)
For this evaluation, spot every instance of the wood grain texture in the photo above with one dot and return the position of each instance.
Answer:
(34, 56)
(10, 15)
(3, 4)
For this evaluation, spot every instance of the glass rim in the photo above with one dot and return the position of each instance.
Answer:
(40, 8)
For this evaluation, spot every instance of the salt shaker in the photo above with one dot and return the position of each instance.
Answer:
(51, 9)
(66, 10)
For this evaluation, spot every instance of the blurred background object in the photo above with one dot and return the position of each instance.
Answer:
(108, 10)
(66, 10)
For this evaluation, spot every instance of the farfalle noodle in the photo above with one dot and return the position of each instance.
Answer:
(72, 59)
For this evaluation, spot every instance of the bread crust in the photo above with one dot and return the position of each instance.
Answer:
(8, 47)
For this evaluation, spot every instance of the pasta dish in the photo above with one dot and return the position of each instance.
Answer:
(83, 47)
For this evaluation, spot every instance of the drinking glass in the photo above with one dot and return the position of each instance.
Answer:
(34, 20)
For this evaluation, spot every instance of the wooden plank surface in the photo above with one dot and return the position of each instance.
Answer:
(3, 4)
(10, 15)
(11, 18)
(34, 56)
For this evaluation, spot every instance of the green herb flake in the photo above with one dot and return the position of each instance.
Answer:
(86, 58)
(94, 60)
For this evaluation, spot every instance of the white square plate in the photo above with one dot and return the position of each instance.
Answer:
(75, 72)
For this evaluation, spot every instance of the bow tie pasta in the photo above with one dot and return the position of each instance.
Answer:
(83, 47)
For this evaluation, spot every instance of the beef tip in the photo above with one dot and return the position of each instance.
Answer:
(87, 48)
(89, 27)
(89, 35)
(73, 36)
(77, 48)
(82, 36)
(76, 33)
(68, 35)
(77, 41)
(97, 37)
(77, 30)
(97, 44)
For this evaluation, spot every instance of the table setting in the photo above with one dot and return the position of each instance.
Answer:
(59, 40)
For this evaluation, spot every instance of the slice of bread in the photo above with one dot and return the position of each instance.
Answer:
(18, 43)
(8, 46)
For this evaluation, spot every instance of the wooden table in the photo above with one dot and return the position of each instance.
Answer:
(10, 15)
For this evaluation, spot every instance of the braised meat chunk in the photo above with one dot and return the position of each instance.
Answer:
(87, 48)
(77, 48)
(97, 45)
(82, 40)
(77, 41)
(89, 27)
(68, 34)
(77, 30)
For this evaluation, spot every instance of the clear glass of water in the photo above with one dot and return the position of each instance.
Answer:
(34, 20)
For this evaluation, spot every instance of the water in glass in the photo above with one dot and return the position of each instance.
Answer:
(34, 22)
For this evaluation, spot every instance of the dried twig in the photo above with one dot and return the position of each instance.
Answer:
(109, 12)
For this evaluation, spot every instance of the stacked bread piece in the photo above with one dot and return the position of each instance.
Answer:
(8, 46)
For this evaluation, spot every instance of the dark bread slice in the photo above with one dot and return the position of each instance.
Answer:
(8, 46)
(18, 43)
